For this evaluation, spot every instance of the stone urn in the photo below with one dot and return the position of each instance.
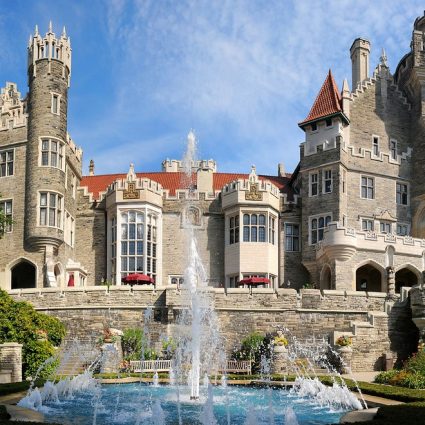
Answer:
(346, 354)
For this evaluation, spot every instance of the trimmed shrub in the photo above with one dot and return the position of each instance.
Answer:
(134, 346)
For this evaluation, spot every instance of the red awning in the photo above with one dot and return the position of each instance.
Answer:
(254, 281)
(135, 278)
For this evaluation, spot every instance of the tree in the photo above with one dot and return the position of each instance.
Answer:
(39, 333)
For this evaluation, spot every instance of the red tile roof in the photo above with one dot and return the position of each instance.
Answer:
(176, 180)
(328, 101)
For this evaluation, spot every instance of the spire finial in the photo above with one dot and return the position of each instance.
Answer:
(383, 58)
(91, 168)
(345, 87)
(64, 32)
(36, 30)
(50, 27)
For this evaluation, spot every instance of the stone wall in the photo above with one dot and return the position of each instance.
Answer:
(11, 360)
(306, 314)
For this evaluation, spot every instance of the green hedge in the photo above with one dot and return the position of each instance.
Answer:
(411, 413)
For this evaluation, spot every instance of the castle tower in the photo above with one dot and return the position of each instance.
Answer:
(49, 70)
(359, 52)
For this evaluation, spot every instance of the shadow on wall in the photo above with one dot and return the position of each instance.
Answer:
(403, 333)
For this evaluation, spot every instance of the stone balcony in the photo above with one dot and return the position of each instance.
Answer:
(341, 243)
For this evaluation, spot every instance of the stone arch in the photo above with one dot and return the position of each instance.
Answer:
(326, 277)
(370, 276)
(406, 275)
(58, 270)
(23, 274)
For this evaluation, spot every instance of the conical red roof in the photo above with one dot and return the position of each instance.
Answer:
(328, 101)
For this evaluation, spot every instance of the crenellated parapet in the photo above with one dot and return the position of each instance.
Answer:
(134, 189)
(13, 109)
(51, 48)
(249, 191)
(341, 243)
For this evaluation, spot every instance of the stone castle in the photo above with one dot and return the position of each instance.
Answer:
(349, 221)
(351, 216)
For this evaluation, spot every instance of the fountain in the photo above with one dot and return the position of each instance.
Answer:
(199, 355)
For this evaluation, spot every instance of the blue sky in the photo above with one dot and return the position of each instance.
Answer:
(242, 74)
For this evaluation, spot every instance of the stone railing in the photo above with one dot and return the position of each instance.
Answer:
(341, 243)
(223, 299)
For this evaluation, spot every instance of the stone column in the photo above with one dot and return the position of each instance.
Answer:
(391, 281)
(11, 359)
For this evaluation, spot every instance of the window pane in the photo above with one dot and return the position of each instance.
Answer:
(45, 158)
(140, 231)
(132, 248)
(131, 216)
(131, 231)
(262, 234)
(262, 220)
(139, 248)
(253, 234)
(237, 221)
(124, 217)
(52, 216)
(314, 223)
(321, 222)
(54, 160)
(124, 232)
(237, 235)
(246, 219)
(246, 234)
(43, 199)
(124, 248)
(254, 219)
(296, 246)
(139, 264)
(52, 200)
(43, 213)
(54, 146)
(232, 222)
(123, 264)
(131, 264)
(45, 145)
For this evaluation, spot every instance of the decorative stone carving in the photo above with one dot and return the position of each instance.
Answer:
(389, 237)
(131, 192)
(191, 217)
(370, 235)
(253, 194)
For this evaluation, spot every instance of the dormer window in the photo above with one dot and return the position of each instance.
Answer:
(313, 126)
(328, 122)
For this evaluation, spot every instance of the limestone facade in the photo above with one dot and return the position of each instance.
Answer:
(350, 217)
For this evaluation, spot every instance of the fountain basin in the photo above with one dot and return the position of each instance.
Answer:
(140, 403)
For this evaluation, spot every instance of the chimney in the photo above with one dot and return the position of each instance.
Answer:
(359, 53)
(281, 170)
(91, 168)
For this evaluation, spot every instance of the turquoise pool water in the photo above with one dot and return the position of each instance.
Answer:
(147, 404)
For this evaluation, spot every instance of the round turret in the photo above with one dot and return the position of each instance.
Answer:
(49, 69)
